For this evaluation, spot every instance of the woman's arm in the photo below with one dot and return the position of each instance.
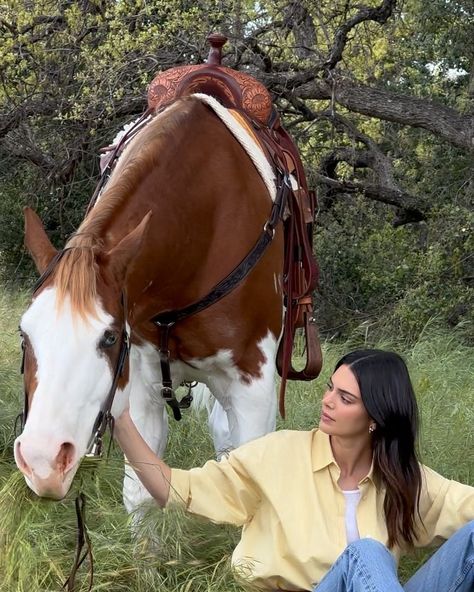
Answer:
(225, 491)
(154, 473)
(445, 507)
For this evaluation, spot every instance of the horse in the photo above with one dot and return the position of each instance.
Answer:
(183, 206)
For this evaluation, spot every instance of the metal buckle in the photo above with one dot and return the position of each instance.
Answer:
(95, 448)
(168, 393)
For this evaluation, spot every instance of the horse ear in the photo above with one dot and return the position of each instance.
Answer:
(37, 241)
(120, 256)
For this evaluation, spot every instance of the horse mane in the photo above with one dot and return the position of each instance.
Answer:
(75, 276)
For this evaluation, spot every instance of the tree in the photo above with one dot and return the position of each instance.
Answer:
(379, 97)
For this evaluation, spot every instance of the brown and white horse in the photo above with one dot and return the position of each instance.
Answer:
(183, 207)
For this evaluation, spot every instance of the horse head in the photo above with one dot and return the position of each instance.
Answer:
(71, 335)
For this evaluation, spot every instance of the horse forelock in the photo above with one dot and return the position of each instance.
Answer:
(75, 276)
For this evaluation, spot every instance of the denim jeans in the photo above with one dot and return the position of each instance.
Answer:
(367, 566)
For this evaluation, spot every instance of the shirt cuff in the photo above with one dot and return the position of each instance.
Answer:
(179, 488)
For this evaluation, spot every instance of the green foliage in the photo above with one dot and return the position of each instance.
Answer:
(395, 280)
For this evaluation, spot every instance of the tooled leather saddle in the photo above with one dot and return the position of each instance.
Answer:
(243, 93)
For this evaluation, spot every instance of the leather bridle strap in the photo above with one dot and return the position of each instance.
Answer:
(116, 151)
(20, 419)
(105, 418)
(240, 272)
(166, 320)
(82, 538)
(49, 270)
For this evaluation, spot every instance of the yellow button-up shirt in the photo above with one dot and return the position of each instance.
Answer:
(282, 489)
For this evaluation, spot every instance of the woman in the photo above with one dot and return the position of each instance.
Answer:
(331, 509)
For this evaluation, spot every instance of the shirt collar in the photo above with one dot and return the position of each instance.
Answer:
(321, 452)
(322, 455)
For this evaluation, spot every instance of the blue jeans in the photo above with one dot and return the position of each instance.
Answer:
(367, 566)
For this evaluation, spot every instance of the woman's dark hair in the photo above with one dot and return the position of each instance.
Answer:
(388, 396)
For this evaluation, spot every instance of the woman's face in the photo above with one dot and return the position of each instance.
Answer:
(343, 412)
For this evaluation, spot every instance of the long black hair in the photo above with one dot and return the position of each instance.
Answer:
(388, 396)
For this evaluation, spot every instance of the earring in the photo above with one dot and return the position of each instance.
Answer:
(372, 428)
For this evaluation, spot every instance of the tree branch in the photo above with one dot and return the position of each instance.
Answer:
(298, 20)
(452, 126)
(380, 15)
(21, 144)
(414, 208)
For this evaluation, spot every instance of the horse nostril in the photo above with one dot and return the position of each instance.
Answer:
(65, 457)
(20, 461)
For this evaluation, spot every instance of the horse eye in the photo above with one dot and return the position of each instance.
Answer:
(108, 339)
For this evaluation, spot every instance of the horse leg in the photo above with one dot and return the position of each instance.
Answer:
(245, 410)
(219, 428)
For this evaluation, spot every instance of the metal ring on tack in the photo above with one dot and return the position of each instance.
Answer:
(267, 228)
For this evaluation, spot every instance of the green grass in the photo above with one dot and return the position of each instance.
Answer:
(176, 553)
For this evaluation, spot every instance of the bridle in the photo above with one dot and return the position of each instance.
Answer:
(103, 421)
(104, 418)
(165, 321)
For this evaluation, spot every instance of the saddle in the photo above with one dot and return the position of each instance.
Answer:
(244, 95)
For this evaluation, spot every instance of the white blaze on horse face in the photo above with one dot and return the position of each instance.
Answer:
(73, 379)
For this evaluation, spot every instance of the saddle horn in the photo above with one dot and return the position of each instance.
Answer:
(217, 41)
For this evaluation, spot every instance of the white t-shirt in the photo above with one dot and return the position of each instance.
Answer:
(352, 500)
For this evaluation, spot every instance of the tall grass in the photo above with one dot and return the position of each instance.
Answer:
(176, 553)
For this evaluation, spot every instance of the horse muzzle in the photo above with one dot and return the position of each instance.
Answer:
(48, 475)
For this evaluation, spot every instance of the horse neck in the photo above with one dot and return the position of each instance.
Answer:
(192, 186)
